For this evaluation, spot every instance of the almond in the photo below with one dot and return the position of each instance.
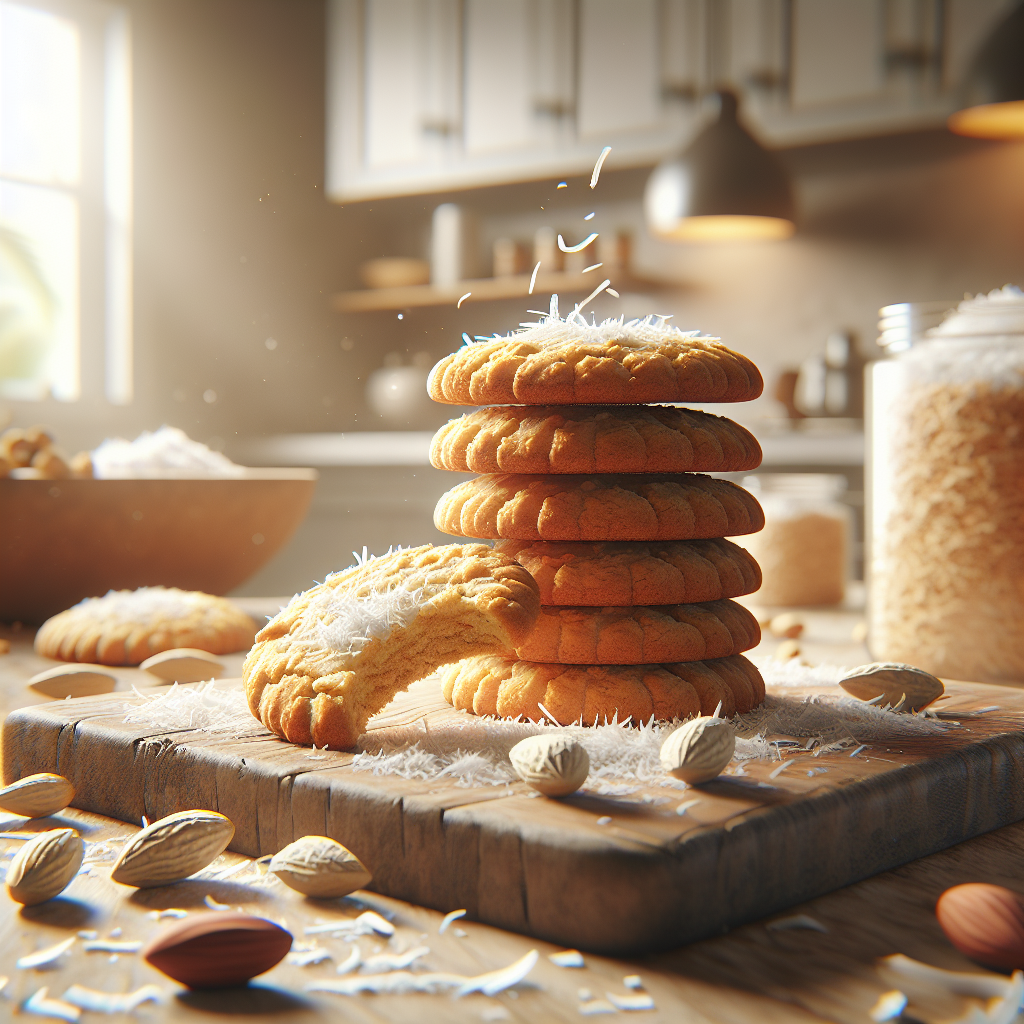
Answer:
(985, 922)
(787, 626)
(319, 866)
(73, 681)
(173, 848)
(699, 750)
(183, 665)
(892, 681)
(550, 763)
(44, 866)
(220, 950)
(37, 796)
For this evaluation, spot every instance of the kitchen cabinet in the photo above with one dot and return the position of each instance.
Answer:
(431, 95)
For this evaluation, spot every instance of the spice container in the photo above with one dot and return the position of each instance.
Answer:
(804, 548)
(946, 495)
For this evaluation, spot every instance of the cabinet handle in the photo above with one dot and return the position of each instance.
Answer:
(439, 126)
(554, 108)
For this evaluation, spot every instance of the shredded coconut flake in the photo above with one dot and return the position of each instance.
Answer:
(165, 452)
(40, 1004)
(110, 1002)
(145, 605)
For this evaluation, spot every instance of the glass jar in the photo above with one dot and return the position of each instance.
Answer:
(804, 548)
(945, 482)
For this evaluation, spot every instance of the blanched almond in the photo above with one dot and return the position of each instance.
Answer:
(319, 866)
(892, 681)
(552, 764)
(37, 796)
(183, 665)
(73, 681)
(44, 866)
(173, 848)
(699, 750)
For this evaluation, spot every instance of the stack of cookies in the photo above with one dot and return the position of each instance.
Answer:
(602, 497)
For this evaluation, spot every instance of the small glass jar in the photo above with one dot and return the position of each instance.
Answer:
(804, 548)
(945, 483)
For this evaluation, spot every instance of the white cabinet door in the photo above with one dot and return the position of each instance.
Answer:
(394, 131)
(619, 90)
(837, 51)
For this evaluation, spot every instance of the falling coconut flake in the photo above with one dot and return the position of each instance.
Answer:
(533, 279)
(458, 305)
(597, 167)
(214, 905)
(632, 981)
(594, 1007)
(580, 246)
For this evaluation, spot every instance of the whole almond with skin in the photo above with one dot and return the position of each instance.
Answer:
(37, 796)
(699, 750)
(319, 866)
(891, 680)
(551, 763)
(173, 848)
(45, 866)
(985, 922)
(220, 950)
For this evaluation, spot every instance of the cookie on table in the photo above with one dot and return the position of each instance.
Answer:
(568, 362)
(626, 573)
(342, 650)
(128, 626)
(640, 636)
(570, 693)
(527, 507)
(593, 439)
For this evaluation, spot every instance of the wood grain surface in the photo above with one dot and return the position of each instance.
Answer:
(753, 846)
(753, 973)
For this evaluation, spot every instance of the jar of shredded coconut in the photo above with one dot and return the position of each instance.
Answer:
(946, 496)
(804, 548)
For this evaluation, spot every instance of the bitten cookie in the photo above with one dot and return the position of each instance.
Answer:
(682, 507)
(572, 693)
(568, 362)
(128, 626)
(593, 439)
(342, 650)
(640, 636)
(623, 574)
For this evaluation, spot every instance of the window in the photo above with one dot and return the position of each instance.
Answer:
(65, 201)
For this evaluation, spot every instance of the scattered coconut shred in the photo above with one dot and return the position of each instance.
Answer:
(472, 751)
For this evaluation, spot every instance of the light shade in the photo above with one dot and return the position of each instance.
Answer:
(725, 186)
(993, 95)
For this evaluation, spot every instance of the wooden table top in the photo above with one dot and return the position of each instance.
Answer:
(754, 973)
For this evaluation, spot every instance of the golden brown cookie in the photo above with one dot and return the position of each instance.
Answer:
(602, 573)
(342, 650)
(567, 362)
(681, 507)
(128, 626)
(640, 636)
(571, 693)
(593, 439)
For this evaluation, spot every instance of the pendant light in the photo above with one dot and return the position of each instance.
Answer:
(994, 91)
(725, 186)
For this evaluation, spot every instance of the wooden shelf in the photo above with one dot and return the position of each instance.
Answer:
(487, 289)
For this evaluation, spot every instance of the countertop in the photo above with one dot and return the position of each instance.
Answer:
(754, 973)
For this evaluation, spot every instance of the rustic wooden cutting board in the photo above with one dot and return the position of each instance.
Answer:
(649, 878)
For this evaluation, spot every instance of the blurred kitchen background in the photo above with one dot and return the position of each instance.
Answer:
(234, 207)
